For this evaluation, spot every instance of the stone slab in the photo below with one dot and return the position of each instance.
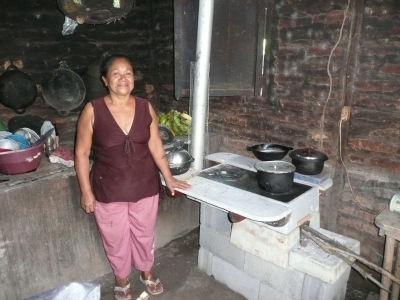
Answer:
(314, 261)
(264, 242)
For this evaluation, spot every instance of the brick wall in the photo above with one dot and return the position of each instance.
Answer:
(365, 67)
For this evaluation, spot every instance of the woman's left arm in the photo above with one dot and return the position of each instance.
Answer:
(157, 151)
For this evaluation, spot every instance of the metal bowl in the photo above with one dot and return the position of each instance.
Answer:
(179, 161)
(29, 134)
(9, 144)
(267, 152)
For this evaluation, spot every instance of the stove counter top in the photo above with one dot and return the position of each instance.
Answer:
(235, 200)
(231, 199)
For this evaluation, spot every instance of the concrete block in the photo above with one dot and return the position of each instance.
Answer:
(236, 279)
(269, 293)
(204, 261)
(315, 262)
(219, 245)
(215, 219)
(264, 242)
(286, 283)
(317, 289)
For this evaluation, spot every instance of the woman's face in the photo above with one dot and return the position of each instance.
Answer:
(120, 79)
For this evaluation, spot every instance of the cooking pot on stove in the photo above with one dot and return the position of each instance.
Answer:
(275, 176)
(179, 160)
(266, 152)
(308, 161)
(63, 89)
(17, 89)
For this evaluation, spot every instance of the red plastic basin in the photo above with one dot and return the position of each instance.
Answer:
(21, 161)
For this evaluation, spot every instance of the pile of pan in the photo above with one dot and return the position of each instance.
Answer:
(275, 175)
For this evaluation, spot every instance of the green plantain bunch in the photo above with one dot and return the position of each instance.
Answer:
(179, 123)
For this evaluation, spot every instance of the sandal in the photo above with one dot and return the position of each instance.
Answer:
(124, 290)
(152, 286)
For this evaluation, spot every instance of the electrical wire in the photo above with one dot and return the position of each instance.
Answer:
(346, 11)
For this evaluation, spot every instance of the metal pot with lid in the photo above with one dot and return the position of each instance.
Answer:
(308, 161)
(275, 176)
(17, 89)
(179, 159)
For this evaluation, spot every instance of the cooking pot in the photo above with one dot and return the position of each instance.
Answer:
(308, 161)
(25, 121)
(179, 160)
(266, 152)
(63, 89)
(275, 176)
(17, 89)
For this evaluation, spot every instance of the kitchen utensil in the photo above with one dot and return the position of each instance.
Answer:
(26, 121)
(308, 161)
(17, 89)
(63, 89)
(3, 134)
(267, 152)
(43, 137)
(21, 161)
(394, 204)
(95, 12)
(179, 160)
(28, 134)
(275, 176)
(9, 144)
(166, 134)
(23, 142)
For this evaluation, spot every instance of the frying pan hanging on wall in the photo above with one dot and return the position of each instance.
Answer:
(95, 11)
(63, 89)
(17, 89)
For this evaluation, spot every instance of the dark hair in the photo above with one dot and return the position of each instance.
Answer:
(108, 61)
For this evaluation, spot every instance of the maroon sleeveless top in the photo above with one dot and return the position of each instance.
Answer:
(123, 169)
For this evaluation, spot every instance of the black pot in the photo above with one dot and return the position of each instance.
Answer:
(17, 89)
(267, 152)
(28, 121)
(275, 176)
(308, 161)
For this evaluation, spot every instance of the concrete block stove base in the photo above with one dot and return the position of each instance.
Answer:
(276, 268)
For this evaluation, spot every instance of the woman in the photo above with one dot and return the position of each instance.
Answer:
(122, 188)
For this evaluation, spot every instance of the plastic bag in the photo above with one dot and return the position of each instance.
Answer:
(71, 291)
(69, 26)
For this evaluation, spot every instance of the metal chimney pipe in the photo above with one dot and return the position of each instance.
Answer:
(201, 81)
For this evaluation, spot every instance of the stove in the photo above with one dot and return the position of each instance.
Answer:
(232, 187)
(246, 180)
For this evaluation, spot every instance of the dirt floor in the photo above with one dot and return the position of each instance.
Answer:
(176, 266)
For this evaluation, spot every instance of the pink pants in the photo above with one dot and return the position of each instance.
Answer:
(127, 231)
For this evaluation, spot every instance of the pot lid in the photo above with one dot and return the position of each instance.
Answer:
(275, 166)
(308, 154)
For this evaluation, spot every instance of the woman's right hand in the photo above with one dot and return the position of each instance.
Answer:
(88, 202)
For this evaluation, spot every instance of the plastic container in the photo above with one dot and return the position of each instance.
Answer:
(21, 161)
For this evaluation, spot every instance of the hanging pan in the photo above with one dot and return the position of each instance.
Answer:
(95, 11)
(63, 89)
(17, 89)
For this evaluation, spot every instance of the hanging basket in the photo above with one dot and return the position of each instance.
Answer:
(95, 11)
